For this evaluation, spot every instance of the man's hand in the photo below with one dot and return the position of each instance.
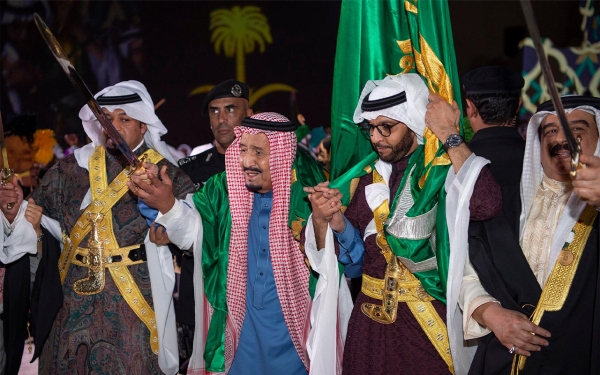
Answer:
(443, 120)
(441, 117)
(154, 192)
(11, 193)
(512, 328)
(143, 173)
(158, 235)
(326, 205)
(33, 214)
(587, 183)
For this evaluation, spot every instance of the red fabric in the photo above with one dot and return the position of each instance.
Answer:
(290, 271)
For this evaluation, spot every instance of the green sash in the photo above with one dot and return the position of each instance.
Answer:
(427, 188)
(425, 197)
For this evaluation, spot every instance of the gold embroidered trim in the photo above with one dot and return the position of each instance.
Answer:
(408, 291)
(400, 285)
(131, 293)
(559, 281)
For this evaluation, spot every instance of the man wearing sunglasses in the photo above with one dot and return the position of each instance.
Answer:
(393, 231)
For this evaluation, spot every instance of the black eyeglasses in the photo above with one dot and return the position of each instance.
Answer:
(384, 129)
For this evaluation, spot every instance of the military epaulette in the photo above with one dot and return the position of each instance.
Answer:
(186, 160)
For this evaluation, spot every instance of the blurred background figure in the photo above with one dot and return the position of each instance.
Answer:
(29, 150)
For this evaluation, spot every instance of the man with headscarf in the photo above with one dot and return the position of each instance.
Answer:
(406, 333)
(117, 312)
(251, 280)
(226, 105)
(541, 284)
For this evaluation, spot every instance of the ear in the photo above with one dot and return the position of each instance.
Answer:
(249, 112)
(143, 128)
(471, 109)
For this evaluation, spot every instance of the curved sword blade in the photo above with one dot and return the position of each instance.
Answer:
(534, 33)
(84, 91)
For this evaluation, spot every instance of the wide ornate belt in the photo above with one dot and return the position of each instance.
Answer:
(124, 256)
(406, 291)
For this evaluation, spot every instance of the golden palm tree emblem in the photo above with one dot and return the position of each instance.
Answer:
(237, 32)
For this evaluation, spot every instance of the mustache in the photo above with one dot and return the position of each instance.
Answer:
(252, 169)
(224, 126)
(554, 150)
(381, 145)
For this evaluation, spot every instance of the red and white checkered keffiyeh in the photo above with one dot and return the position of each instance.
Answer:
(290, 271)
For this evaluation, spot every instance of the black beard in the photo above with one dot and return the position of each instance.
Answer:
(114, 151)
(400, 150)
(254, 188)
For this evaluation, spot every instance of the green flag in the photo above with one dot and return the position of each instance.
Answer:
(375, 39)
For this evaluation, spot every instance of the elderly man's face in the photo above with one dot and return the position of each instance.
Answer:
(254, 160)
(130, 129)
(556, 158)
(400, 142)
(225, 114)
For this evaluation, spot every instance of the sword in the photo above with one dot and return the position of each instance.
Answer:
(7, 173)
(574, 144)
(84, 91)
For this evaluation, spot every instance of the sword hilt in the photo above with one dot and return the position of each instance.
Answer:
(575, 163)
(7, 175)
(134, 168)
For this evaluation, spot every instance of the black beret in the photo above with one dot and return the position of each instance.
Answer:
(492, 80)
(571, 101)
(227, 89)
(270, 121)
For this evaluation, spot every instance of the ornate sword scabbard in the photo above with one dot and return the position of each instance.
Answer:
(94, 283)
(386, 313)
(7, 175)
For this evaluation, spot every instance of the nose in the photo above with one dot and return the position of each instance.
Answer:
(560, 136)
(375, 136)
(246, 161)
(222, 117)
(116, 124)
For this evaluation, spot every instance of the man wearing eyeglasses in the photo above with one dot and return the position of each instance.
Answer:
(394, 231)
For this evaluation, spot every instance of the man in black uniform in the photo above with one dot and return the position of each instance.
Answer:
(493, 96)
(226, 105)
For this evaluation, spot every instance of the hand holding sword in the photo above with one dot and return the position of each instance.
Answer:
(11, 196)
